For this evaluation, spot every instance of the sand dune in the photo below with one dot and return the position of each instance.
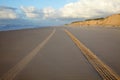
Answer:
(113, 20)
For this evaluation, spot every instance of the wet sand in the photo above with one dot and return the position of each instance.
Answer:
(59, 59)
(104, 42)
(14, 45)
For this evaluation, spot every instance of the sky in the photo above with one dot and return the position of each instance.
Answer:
(54, 12)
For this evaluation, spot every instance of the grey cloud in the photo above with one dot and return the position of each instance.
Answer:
(7, 12)
(5, 7)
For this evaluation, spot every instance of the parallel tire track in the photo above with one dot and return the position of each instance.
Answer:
(104, 71)
(11, 74)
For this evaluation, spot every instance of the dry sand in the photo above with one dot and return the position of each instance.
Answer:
(113, 20)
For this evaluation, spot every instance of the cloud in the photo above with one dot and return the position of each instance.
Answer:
(31, 12)
(83, 9)
(49, 12)
(7, 13)
(79, 10)
(45, 13)
(90, 8)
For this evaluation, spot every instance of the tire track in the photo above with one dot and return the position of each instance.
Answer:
(11, 74)
(104, 71)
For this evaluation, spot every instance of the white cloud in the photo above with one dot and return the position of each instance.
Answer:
(49, 12)
(84, 9)
(79, 9)
(30, 12)
(90, 8)
(45, 13)
(7, 13)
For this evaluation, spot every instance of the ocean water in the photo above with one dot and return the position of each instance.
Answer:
(17, 27)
